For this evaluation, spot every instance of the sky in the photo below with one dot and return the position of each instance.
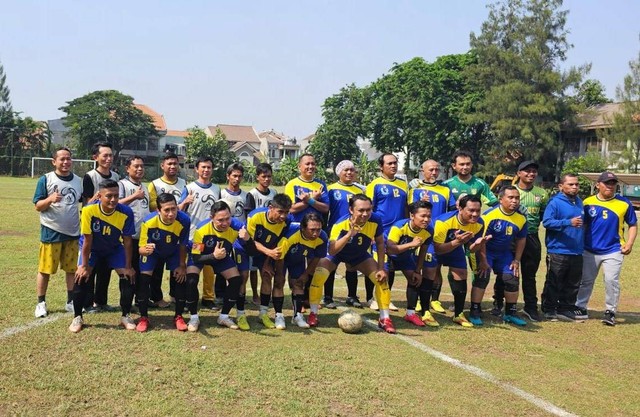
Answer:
(266, 64)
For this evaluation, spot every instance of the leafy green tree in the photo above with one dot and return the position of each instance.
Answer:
(199, 144)
(287, 170)
(519, 50)
(108, 116)
(591, 93)
(7, 120)
(590, 162)
(367, 170)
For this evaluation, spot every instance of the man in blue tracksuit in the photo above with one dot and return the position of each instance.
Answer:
(565, 243)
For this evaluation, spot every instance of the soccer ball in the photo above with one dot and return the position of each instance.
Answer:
(350, 321)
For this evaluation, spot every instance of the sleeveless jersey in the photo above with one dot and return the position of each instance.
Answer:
(238, 200)
(92, 180)
(140, 207)
(63, 216)
(159, 186)
(203, 198)
(256, 199)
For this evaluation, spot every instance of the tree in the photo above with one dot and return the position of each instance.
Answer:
(287, 169)
(525, 101)
(108, 116)
(344, 123)
(591, 93)
(624, 133)
(199, 144)
(590, 162)
(7, 120)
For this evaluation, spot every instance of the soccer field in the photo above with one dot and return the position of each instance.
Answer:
(585, 369)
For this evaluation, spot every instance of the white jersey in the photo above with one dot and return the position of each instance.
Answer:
(63, 216)
(140, 207)
(165, 187)
(237, 202)
(203, 199)
(97, 178)
(256, 199)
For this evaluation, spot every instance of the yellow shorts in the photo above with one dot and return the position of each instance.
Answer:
(64, 254)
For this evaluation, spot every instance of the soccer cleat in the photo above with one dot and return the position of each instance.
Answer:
(227, 322)
(313, 319)
(180, 324)
(353, 302)
(532, 314)
(393, 307)
(266, 321)
(193, 325)
(475, 319)
(497, 309)
(581, 314)
(243, 323)
(128, 323)
(427, 318)
(143, 324)
(512, 318)
(90, 310)
(609, 318)
(414, 319)
(569, 316)
(373, 304)
(280, 322)
(550, 316)
(462, 320)
(387, 325)
(76, 324)
(69, 307)
(41, 309)
(299, 321)
(330, 304)
(436, 306)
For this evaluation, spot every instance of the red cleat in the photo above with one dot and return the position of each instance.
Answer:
(414, 319)
(143, 324)
(387, 325)
(180, 324)
(312, 320)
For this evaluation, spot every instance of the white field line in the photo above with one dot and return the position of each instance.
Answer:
(36, 323)
(537, 401)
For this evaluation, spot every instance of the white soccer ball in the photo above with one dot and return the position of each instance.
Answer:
(350, 321)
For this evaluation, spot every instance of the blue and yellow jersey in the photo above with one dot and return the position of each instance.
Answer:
(503, 228)
(298, 186)
(297, 249)
(361, 242)
(439, 195)
(448, 224)
(389, 199)
(604, 223)
(166, 237)
(206, 237)
(339, 196)
(263, 231)
(107, 229)
(401, 232)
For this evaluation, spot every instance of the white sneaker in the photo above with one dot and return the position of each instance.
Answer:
(299, 321)
(69, 307)
(41, 309)
(393, 307)
(128, 323)
(373, 304)
(280, 322)
(76, 324)
(193, 325)
(227, 322)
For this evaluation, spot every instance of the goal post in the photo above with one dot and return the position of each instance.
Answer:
(40, 166)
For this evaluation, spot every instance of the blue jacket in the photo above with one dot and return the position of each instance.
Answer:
(562, 238)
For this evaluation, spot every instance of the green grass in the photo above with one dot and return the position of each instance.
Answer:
(587, 369)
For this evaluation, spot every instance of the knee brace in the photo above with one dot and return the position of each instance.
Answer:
(481, 280)
(511, 283)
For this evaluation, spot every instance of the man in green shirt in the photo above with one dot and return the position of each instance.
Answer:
(465, 183)
(533, 201)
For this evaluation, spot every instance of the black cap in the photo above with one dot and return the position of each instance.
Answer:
(527, 164)
(607, 176)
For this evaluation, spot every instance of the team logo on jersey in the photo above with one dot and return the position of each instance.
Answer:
(210, 242)
(294, 249)
(497, 226)
(155, 235)
(337, 195)
(69, 195)
(538, 199)
(474, 191)
(239, 210)
(95, 226)
(176, 194)
(451, 235)
(384, 190)
(259, 233)
(300, 191)
(592, 211)
(424, 195)
(454, 190)
(144, 203)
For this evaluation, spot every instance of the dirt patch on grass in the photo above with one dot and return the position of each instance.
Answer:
(13, 233)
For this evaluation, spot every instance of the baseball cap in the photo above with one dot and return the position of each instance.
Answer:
(527, 164)
(607, 176)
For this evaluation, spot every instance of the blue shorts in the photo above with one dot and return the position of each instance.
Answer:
(353, 261)
(218, 265)
(405, 263)
(115, 259)
(242, 259)
(149, 262)
(500, 262)
(295, 270)
(431, 259)
(454, 259)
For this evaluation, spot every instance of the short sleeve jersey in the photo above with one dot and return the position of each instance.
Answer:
(389, 199)
(339, 196)
(448, 224)
(360, 243)
(166, 237)
(604, 223)
(401, 232)
(475, 186)
(297, 187)
(107, 229)
(206, 237)
(159, 186)
(439, 195)
(503, 228)
(263, 231)
(297, 249)
(534, 201)
(204, 195)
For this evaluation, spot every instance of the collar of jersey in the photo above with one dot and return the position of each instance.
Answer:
(201, 185)
(506, 214)
(102, 211)
(233, 192)
(168, 182)
(307, 181)
(134, 183)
